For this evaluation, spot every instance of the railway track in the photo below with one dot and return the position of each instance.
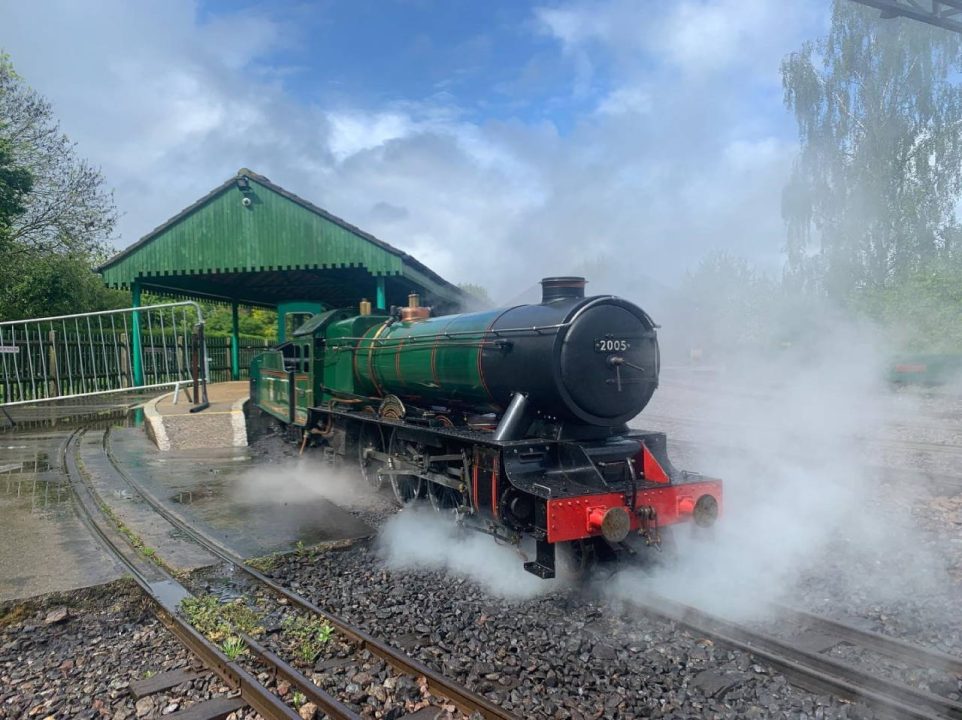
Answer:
(800, 657)
(171, 592)
(165, 592)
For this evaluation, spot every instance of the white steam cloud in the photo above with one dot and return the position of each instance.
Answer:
(795, 437)
(420, 538)
(304, 479)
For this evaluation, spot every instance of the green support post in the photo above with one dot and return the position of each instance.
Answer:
(290, 307)
(234, 343)
(135, 352)
(381, 297)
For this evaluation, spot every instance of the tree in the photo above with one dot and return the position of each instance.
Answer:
(253, 322)
(66, 207)
(873, 192)
(15, 183)
(53, 284)
(55, 214)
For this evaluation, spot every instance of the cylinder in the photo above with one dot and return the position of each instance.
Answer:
(562, 288)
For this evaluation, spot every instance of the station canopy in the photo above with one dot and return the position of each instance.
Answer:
(251, 242)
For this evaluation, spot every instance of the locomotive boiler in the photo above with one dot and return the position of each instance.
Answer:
(514, 418)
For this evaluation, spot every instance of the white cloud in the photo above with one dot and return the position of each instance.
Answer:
(353, 132)
(678, 153)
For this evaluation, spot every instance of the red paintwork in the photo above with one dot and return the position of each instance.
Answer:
(652, 471)
(596, 516)
(571, 518)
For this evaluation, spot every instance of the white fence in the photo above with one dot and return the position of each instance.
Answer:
(72, 356)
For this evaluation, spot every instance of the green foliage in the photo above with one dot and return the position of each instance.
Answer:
(252, 322)
(220, 621)
(265, 563)
(923, 312)
(233, 647)
(873, 193)
(36, 285)
(15, 183)
(298, 699)
(308, 635)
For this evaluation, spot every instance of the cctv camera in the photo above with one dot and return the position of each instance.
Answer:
(247, 202)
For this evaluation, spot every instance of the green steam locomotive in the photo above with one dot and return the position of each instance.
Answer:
(514, 418)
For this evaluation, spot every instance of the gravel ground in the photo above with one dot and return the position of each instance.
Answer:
(78, 663)
(562, 655)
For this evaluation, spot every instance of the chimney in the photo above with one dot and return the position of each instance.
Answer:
(558, 288)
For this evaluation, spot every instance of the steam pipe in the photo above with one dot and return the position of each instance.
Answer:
(513, 422)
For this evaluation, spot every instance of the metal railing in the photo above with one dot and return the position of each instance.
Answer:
(96, 353)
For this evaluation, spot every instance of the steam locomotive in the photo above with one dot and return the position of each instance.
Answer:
(514, 418)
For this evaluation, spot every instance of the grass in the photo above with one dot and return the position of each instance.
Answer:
(265, 563)
(309, 635)
(233, 647)
(220, 621)
(135, 541)
(298, 699)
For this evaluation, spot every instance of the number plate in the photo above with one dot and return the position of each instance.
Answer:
(612, 345)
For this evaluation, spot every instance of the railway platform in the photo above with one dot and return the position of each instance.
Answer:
(172, 426)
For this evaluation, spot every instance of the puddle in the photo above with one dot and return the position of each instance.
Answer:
(96, 412)
(35, 493)
(45, 547)
(200, 493)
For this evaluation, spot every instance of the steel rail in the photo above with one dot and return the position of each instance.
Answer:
(814, 672)
(266, 703)
(883, 644)
(463, 698)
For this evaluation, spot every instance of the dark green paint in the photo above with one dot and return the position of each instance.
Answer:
(401, 359)
(277, 248)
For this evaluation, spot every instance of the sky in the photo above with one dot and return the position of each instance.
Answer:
(497, 142)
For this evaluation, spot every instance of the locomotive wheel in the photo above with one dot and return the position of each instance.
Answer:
(370, 438)
(443, 498)
(406, 487)
(579, 558)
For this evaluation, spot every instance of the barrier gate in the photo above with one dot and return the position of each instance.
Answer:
(97, 353)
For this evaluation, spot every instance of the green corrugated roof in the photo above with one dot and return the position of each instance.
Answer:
(276, 247)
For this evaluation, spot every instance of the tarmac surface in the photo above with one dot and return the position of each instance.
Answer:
(45, 548)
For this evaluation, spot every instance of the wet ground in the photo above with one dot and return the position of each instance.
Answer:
(45, 547)
(222, 493)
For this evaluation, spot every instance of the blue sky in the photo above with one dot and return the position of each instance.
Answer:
(490, 60)
(498, 141)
